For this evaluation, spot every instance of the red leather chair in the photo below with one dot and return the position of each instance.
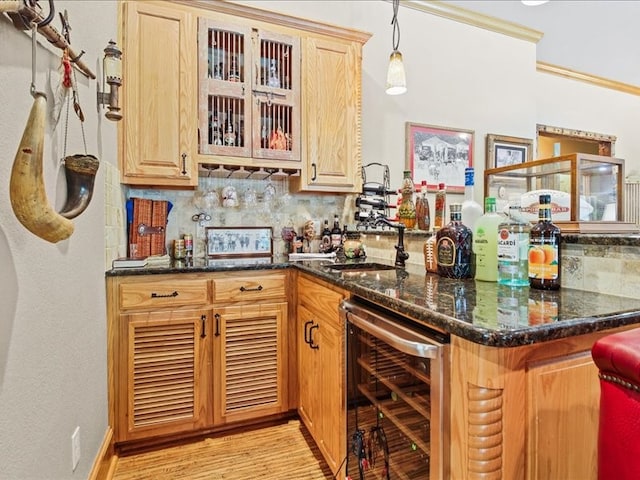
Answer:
(618, 358)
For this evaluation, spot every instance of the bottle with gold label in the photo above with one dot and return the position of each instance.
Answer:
(407, 208)
(544, 249)
(453, 247)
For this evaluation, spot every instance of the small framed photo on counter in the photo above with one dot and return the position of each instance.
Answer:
(225, 242)
(503, 151)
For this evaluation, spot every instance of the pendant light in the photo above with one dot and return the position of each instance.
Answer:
(396, 77)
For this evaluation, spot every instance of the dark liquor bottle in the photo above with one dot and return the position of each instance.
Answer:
(325, 242)
(336, 233)
(453, 247)
(544, 249)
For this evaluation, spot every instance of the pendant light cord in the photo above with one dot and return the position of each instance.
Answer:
(396, 27)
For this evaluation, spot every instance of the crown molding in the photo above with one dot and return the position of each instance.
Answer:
(462, 15)
(587, 78)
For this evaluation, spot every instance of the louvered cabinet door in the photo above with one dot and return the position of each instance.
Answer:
(166, 363)
(252, 370)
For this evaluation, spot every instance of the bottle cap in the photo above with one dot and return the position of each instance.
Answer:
(441, 186)
(545, 198)
(455, 207)
(468, 176)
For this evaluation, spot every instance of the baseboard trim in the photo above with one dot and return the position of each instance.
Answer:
(105, 462)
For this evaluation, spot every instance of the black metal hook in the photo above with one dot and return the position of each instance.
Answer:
(52, 12)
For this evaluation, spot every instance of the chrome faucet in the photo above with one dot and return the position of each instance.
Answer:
(401, 255)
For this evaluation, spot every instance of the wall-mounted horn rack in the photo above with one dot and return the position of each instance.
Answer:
(24, 13)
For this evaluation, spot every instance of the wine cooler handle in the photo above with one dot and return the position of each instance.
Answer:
(217, 317)
(311, 344)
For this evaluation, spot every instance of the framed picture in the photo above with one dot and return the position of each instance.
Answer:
(224, 242)
(504, 151)
(438, 155)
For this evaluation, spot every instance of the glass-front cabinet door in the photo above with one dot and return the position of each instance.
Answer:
(249, 92)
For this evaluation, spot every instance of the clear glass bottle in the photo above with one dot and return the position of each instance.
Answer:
(407, 208)
(423, 214)
(453, 247)
(471, 210)
(544, 249)
(513, 247)
(485, 242)
(440, 206)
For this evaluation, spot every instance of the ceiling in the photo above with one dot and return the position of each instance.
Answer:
(598, 37)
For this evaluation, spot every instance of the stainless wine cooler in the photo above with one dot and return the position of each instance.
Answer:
(396, 396)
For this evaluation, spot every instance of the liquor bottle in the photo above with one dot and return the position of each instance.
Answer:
(513, 247)
(453, 247)
(544, 249)
(429, 249)
(485, 242)
(471, 210)
(423, 215)
(379, 190)
(229, 131)
(407, 209)
(336, 233)
(441, 206)
(325, 242)
(234, 73)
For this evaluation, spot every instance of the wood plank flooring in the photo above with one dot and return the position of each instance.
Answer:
(281, 452)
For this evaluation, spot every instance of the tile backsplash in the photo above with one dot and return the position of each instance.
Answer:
(255, 208)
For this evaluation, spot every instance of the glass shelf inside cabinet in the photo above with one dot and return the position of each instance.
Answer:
(586, 191)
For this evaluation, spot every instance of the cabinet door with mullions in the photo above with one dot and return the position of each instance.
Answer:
(248, 92)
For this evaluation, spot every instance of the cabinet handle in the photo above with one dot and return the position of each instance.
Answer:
(306, 325)
(217, 317)
(256, 289)
(164, 295)
(315, 173)
(203, 318)
(184, 163)
(311, 344)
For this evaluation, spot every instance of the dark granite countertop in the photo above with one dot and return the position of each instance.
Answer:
(481, 312)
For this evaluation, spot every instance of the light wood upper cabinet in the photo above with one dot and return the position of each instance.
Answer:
(159, 123)
(249, 92)
(331, 116)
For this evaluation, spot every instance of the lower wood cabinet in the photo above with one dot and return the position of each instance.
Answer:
(321, 367)
(181, 360)
(251, 361)
(164, 373)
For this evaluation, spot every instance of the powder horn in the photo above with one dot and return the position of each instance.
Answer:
(26, 187)
(80, 171)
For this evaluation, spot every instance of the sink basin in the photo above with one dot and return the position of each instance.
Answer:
(359, 267)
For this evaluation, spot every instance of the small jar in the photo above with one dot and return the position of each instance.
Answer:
(353, 246)
(179, 251)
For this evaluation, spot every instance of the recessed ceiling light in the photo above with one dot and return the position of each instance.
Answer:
(533, 3)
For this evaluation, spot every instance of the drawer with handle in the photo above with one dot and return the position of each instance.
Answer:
(256, 287)
(188, 292)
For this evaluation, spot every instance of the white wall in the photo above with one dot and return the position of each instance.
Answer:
(52, 296)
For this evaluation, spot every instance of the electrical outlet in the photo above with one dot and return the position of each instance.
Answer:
(75, 448)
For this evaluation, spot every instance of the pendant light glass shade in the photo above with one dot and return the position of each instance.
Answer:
(396, 77)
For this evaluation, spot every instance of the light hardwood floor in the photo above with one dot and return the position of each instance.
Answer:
(281, 452)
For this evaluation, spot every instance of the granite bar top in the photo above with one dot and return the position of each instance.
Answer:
(482, 312)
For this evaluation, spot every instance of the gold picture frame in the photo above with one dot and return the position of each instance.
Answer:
(503, 150)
